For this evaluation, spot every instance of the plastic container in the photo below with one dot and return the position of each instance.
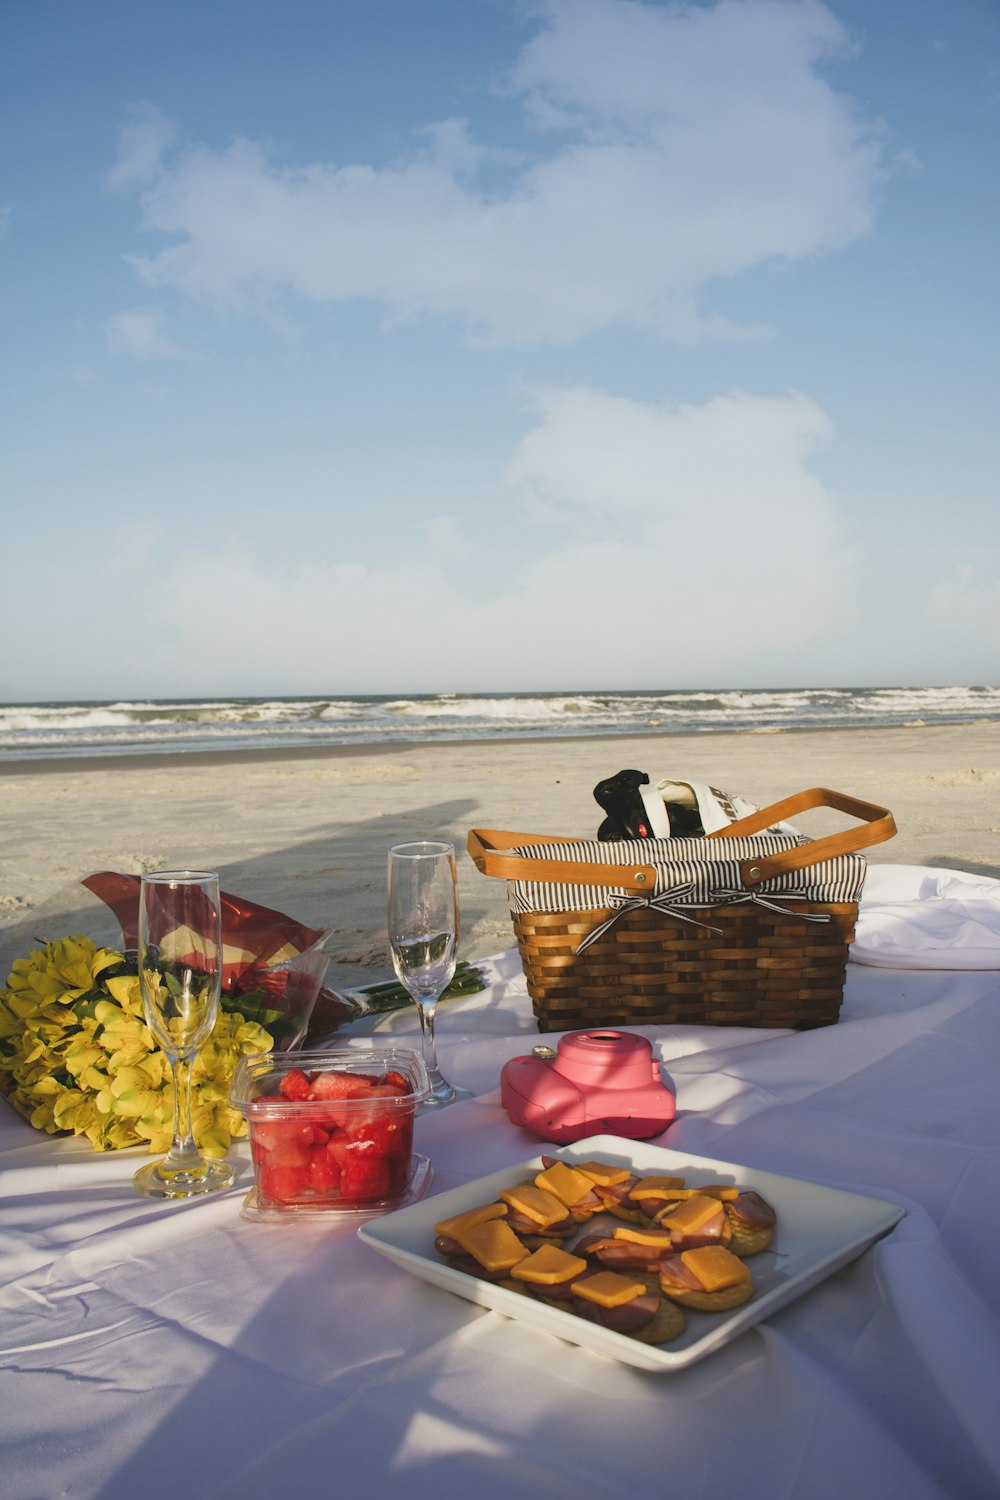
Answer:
(332, 1132)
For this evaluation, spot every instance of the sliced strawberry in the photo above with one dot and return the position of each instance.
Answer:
(295, 1085)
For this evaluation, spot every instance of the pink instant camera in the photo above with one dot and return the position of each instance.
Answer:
(598, 1083)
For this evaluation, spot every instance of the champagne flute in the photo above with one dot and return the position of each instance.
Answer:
(423, 937)
(180, 972)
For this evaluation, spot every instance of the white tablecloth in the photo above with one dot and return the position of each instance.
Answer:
(180, 1352)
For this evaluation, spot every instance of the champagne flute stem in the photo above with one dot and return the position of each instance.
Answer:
(441, 1089)
(183, 1154)
(426, 1010)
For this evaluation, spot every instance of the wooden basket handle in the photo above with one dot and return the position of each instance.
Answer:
(877, 823)
(487, 845)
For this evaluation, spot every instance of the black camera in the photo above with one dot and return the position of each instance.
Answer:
(620, 798)
(627, 817)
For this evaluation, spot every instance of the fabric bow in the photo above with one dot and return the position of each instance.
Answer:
(733, 898)
(668, 902)
(671, 904)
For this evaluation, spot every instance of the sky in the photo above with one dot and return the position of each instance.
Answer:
(498, 345)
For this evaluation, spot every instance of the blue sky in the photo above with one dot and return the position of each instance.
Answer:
(471, 345)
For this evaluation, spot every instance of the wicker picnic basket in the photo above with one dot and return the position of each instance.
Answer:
(743, 927)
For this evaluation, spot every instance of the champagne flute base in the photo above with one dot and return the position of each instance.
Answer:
(158, 1180)
(442, 1093)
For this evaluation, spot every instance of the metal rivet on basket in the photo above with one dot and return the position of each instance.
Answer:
(754, 873)
(640, 878)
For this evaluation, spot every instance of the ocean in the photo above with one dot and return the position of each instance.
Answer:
(35, 731)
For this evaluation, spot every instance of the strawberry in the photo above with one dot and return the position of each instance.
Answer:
(295, 1085)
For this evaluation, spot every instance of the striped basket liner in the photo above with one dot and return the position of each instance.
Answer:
(682, 863)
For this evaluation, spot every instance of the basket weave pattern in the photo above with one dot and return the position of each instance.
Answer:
(765, 969)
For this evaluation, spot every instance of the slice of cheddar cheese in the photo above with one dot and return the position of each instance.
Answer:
(690, 1215)
(602, 1172)
(608, 1289)
(636, 1234)
(494, 1244)
(715, 1267)
(655, 1187)
(534, 1203)
(722, 1191)
(454, 1226)
(564, 1182)
(549, 1265)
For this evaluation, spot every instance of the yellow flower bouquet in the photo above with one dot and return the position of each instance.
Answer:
(76, 1055)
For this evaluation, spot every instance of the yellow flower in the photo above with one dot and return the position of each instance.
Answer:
(125, 989)
(74, 1110)
(76, 1054)
(62, 971)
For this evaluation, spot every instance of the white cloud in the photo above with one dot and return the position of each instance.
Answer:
(142, 141)
(682, 144)
(677, 543)
(141, 334)
(968, 601)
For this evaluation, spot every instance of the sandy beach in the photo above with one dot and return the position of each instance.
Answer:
(306, 831)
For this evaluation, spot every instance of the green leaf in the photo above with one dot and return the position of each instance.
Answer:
(391, 996)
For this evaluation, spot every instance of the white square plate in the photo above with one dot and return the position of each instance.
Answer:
(819, 1230)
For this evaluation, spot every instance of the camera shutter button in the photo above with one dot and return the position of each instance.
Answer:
(545, 1054)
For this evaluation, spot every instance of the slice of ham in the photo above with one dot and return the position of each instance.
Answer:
(676, 1270)
(552, 1291)
(589, 1203)
(652, 1205)
(522, 1224)
(472, 1267)
(626, 1254)
(751, 1209)
(586, 1243)
(625, 1318)
(616, 1192)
